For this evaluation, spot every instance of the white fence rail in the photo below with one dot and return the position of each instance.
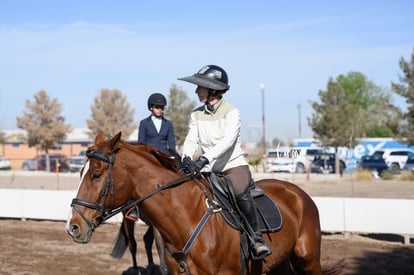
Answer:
(38, 204)
(360, 215)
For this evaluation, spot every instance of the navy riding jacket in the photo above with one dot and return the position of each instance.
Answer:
(163, 140)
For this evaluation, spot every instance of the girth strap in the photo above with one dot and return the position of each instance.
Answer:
(180, 256)
(197, 231)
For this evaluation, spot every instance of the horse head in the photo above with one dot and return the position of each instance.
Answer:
(108, 182)
(95, 198)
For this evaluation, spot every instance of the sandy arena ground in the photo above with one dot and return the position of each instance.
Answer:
(43, 247)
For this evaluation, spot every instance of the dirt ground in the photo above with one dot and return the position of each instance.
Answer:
(43, 247)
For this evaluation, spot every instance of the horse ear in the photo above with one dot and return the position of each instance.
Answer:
(99, 137)
(115, 140)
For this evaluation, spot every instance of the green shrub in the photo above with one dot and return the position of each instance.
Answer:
(387, 175)
(363, 175)
(407, 176)
(254, 161)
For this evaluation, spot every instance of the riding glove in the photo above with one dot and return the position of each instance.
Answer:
(192, 168)
(200, 163)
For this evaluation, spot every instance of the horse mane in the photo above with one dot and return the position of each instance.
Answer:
(171, 163)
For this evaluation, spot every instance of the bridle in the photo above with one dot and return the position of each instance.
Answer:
(100, 204)
(109, 189)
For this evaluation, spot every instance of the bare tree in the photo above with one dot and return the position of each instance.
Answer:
(44, 124)
(111, 113)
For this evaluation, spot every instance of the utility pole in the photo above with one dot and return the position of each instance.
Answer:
(263, 120)
(300, 121)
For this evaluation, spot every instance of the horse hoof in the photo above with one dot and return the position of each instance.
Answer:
(153, 270)
(133, 270)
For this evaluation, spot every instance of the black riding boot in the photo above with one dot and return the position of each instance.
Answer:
(246, 204)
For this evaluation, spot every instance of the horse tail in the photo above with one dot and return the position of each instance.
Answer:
(335, 268)
(121, 243)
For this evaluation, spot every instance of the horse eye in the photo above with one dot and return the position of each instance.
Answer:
(96, 175)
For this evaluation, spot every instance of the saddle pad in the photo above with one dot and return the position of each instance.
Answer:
(269, 214)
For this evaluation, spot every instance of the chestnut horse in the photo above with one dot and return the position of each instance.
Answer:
(177, 204)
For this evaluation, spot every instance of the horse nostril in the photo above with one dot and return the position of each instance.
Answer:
(74, 230)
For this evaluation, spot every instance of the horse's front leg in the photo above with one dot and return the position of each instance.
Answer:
(148, 241)
(126, 239)
(130, 227)
(159, 242)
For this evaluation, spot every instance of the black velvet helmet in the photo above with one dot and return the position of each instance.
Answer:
(210, 76)
(156, 99)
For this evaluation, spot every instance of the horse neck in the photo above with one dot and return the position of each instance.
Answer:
(176, 211)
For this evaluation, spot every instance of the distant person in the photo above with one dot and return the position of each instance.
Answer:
(156, 130)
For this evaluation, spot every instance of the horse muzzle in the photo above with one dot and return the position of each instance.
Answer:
(79, 235)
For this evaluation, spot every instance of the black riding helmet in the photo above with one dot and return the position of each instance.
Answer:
(156, 99)
(211, 77)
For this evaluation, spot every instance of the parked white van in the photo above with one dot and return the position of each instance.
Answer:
(290, 159)
(278, 160)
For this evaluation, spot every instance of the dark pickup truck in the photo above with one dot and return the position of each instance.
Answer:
(325, 163)
(373, 163)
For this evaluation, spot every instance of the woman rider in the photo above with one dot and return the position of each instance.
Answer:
(215, 128)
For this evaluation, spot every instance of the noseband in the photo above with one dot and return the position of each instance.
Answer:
(100, 204)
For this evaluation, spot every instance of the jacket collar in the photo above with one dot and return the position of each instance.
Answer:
(212, 109)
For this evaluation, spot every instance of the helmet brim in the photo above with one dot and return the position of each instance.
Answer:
(205, 82)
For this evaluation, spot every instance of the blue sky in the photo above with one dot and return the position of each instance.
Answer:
(73, 49)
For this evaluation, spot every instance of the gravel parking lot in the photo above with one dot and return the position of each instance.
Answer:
(323, 185)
